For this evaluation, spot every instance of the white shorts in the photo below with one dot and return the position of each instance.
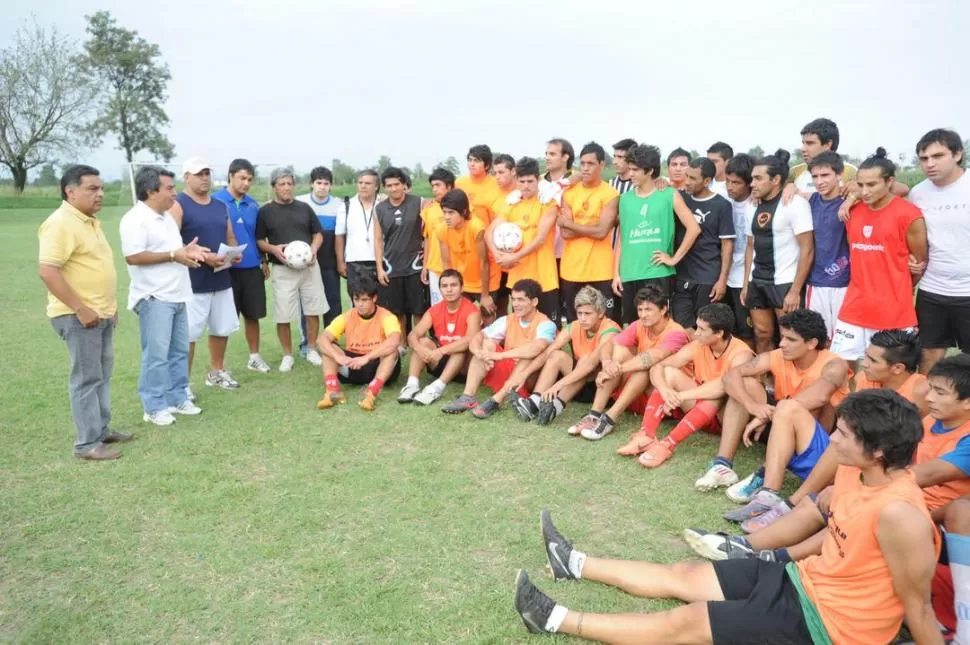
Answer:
(293, 287)
(434, 288)
(826, 301)
(216, 310)
(850, 341)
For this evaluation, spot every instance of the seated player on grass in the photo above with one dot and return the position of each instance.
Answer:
(626, 374)
(941, 468)
(802, 370)
(567, 369)
(453, 321)
(371, 355)
(699, 393)
(891, 362)
(875, 568)
(503, 351)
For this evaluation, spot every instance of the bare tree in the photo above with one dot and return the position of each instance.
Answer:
(46, 100)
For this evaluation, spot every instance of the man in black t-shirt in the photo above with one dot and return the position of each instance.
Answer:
(399, 250)
(280, 222)
(702, 274)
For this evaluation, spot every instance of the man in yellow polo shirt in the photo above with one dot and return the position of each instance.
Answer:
(77, 266)
(586, 222)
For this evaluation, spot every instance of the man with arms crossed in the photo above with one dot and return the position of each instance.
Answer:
(77, 266)
(158, 293)
(454, 322)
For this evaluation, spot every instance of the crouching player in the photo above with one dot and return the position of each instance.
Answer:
(569, 366)
(713, 351)
(454, 322)
(371, 356)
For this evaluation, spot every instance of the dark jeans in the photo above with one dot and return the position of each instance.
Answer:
(89, 383)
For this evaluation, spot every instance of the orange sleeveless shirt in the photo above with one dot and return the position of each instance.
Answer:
(540, 265)
(364, 335)
(516, 335)
(646, 340)
(706, 367)
(583, 345)
(905, 390)
(850, 583)
(789, 380)
(933, 446)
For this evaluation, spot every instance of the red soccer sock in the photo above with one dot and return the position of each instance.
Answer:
(332, 383)
(699, 416)
(375, 386)
(653, 414)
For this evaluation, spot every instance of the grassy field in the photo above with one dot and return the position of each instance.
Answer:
(265, 520)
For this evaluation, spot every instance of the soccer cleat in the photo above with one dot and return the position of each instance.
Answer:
(588, 422)
(221, 379)
(638, 444)
(427, 396)
(408, 393)
(547, 414)
(717, 546)
(462, 403)
(160, 418)
(717, 476)
(525, 409)
(314, 357)
(533, 606)
(603, 427)
(186, 408)
(767, 518)
(743, 491)
(286, 364)
(329, 400)
(485, 409)
(367, 402)
(655, 455)
(762, 502)
(257, 364)
(558, 548)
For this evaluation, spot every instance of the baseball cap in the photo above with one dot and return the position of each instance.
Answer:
(195, 165)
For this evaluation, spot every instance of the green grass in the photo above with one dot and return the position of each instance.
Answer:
(265, 520)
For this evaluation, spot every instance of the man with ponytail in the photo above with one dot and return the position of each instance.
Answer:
(883, 232)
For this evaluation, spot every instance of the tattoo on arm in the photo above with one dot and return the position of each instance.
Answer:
(646, 359)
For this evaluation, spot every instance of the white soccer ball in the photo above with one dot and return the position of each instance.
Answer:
(507, 237)
(298, 254)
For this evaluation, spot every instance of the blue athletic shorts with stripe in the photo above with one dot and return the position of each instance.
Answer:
(801, 464)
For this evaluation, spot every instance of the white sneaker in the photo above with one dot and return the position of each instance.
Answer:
(160, 418)
(407, 393)
(314, 357)
(717, 476)
(427, 396)
(257, 364)
(287, 363)
(745, 490)
(186, 408)
(189, 394)
(222, 379)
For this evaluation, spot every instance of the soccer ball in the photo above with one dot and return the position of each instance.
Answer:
(298, 254)
(507, 237)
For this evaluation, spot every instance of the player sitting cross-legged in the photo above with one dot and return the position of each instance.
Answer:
(567, 370)
(713, 351)
(371, 356)
(453, 322)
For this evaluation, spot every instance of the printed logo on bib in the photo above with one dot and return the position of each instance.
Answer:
(867, 231)
(764, 219)
(451, 328)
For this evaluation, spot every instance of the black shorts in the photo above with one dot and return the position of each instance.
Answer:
(249, 292)
(944, 321)
(765, 295)
(366, 374)
(355, 270)
(404, 296)
(742, 317)
(439, 369)
(587, 394)
(629, 307)
(549, 305)
(686, 301)
(569, 289)
(761, 605)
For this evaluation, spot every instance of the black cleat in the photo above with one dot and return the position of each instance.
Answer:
(533, 606)
(525, 409)
(558, 548)
(547, 413)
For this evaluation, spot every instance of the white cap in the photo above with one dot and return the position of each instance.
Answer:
(195, 165)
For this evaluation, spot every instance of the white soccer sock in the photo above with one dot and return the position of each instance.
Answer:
(958, 550)
(253, 357)
(535, 398)
(439, 386)
(555, 618)
(413, 381)
(576, 561)
(559, 405)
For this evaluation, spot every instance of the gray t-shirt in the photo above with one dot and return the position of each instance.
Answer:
(403, 231)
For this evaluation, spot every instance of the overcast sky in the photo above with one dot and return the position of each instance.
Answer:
(303, 81)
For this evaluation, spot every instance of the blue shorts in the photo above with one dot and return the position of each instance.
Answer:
(801, 464)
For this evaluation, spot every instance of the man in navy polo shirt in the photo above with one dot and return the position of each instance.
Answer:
(327, 208)
(249, 276)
